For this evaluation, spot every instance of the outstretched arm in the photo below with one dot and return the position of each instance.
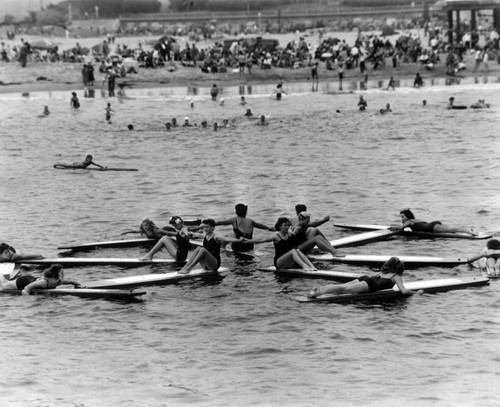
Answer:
(224, 222)
(75, 284)
(97, 165)
(319, 222)
(478, 256)
(261, 240)
(262, 226)
(399, 282)
(33, 285)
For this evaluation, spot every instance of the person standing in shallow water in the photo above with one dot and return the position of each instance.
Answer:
(74, 102)
(214, 92)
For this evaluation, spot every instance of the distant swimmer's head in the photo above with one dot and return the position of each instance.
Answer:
(424, 102)
(406, 213)
(241, 209)
(493, 244)
(73, 93)
(249, 113)
(89, 158)
(262, 118)
(216, 126)
(393, 265)
(130, 127)
(176, 221)
(174, 121)
(168, 125)
(452, 99)
(204, 124)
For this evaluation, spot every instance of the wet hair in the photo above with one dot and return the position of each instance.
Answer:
(409, 214)
(149, 229)
(130, 127)
(393, 265)
(280, 222)
(175, 220)
(300, 208)
(241, 209)
(89, 157)
(5, 246)
(493, 244)
(53, 271)
(209, 222)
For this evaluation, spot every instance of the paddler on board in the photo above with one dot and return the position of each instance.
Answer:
(390, 274)
(307, 236)
(86, 163)
(408, 221)
(9, 254)
(492, 256)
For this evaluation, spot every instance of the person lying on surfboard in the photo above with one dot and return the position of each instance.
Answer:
(286, 253)
(242, 227)
(492, 255)
(390, 274)
(8, 253)
(408, 221)
(52, 277)
(86, 163)
(179, 248)
(208, 256)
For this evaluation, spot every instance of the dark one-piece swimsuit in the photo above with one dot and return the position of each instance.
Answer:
(282, 247)
(241, 246)
(213, 248)
(182, 247)
(427, 227)
(377, 283)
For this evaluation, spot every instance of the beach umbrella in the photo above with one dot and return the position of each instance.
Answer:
(43, 44)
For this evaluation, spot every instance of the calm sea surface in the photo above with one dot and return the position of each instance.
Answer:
(243, 340)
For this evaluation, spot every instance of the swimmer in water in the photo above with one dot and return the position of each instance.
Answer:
(243, 101)
(424, 102)
(249, 113)
(130, 127)
(74, 102)
(46, 111)
(279, 91)
(362, 104)
(108, 113)
(386, 110)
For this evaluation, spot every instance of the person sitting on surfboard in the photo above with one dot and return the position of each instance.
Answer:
(179, 248)
(307, 237)
(207, 256)
(242, 227)
(408, 221)
(390, 274)
(492, 256)
(8, 253)
(52, 277)
(86, 163)
(286, 253)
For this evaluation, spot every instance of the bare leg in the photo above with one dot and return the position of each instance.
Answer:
(306, 263)
(318, 240)
(166, 242)
(202, 256)
(449, 229)
(352, 287)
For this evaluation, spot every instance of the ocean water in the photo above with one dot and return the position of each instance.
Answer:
(242, 340)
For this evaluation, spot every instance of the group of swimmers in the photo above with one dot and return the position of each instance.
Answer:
(292, 240)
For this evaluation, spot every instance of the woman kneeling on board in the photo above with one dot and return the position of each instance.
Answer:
(286, 254)
(179, 248)
(209, 255)
(390, 274)
(408, 221)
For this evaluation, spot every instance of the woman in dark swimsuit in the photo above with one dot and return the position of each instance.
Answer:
(286, 254)
(390, 274)
(242, 228)
(207, 256)
(52, 277)
(179, 248)
(408, 221)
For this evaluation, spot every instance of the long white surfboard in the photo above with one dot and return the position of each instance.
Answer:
(378, 260)
(427, 286)
(84, 293)
(363, 238)
(110, 244)
(96, 261)
(326, 274)
(152, 279)
(408, 232)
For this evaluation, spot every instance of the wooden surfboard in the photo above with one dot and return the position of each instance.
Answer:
(104, 261)
(84, 293)
(326, 274)
(363, 238)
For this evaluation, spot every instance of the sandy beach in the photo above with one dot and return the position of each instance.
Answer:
(37, 76)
